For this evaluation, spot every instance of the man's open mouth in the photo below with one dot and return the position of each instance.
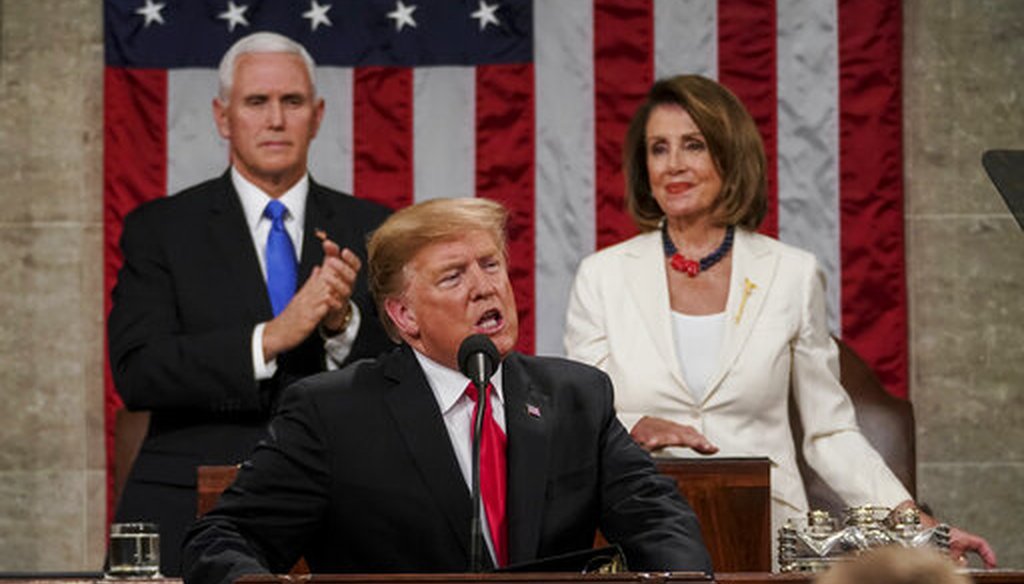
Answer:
(490, 321)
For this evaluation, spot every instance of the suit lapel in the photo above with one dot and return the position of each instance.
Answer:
(322, 213)
(233, 244)
(423, 430)
(647, 282)
(753, 270)
(527, 419)
(319, 216)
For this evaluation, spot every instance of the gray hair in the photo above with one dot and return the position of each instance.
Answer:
(260, 42)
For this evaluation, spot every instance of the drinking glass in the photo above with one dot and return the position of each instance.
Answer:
(134, 551)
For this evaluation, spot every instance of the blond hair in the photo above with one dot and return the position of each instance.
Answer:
(397, 241)
(895, 565)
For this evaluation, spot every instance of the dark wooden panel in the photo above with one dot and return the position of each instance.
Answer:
(210, 483)
(732, 499)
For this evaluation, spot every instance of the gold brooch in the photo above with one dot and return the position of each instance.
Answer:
(748, 287)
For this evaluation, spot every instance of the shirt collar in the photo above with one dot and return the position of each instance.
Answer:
(448, 385)
(254, 200)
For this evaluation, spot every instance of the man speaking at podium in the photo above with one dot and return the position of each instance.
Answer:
(368, 469)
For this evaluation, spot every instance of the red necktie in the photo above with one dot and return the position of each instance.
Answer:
(492, 474)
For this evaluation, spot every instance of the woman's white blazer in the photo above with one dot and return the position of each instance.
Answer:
(776, 339)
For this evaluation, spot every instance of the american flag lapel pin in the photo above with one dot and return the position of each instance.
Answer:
(533, 410)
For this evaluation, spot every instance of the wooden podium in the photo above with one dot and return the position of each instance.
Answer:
(493, 577)
(979, 577)
(731, 497)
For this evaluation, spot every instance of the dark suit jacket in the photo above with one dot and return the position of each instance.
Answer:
(186, 301)
(358, 475)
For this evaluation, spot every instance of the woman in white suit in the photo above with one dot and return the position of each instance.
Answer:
(703, 324)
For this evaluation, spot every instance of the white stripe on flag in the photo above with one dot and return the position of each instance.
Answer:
(685, 38)
(808, 140)
(565, 207)
(330, 155)
(444, 132)
(195, 151)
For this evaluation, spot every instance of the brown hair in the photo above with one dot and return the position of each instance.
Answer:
(397, 241)
(895, 565)
(733, 141)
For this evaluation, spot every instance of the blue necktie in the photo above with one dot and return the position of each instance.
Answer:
(281, 265)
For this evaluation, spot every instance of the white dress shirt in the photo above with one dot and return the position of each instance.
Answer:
(254, 201)
(449, 388)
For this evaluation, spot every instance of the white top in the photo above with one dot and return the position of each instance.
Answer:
(698, 342)
(449, 387)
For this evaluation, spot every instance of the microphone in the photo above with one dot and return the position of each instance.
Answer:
(478, 358)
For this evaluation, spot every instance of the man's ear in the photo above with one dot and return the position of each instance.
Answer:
(403, 316)
(318, 115)
(220, 117)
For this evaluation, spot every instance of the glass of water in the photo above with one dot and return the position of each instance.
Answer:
(134, 551)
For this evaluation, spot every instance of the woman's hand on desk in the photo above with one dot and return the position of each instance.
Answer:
(654, 433)
(960, 542)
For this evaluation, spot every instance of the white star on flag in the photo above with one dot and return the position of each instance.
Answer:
(317, 15)
(151, 11)
(486, 15)
(235, 15)
(403, 15)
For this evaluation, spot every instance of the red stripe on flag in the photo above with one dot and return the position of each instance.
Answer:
(623, 73)
(505, 173)
(382, 127)
(746, 65)
(134, 171)
(871, 187)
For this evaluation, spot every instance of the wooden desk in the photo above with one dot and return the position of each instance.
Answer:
(979, 577)
(531, 578)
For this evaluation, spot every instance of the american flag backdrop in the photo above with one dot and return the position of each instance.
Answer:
(527, 102)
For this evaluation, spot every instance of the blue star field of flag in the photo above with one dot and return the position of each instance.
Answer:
(346, 33)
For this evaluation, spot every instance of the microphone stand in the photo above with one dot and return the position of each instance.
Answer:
(476, 538)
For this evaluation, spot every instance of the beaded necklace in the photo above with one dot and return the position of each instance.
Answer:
(681, 263)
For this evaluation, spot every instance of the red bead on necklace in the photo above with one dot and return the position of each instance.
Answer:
(681, 263)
